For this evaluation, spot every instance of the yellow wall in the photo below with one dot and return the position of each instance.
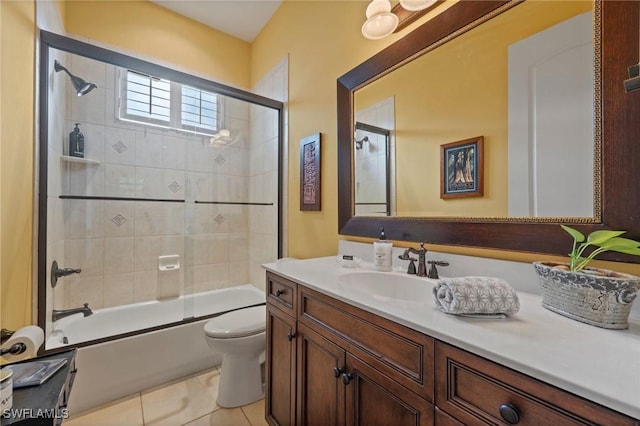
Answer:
(323, 42)
(17, 34)
(150, 30)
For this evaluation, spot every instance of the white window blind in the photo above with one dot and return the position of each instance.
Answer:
(150, 100)
(148, 97)
(199, 109)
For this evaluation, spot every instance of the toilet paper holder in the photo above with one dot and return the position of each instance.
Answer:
(5, 334)
(15, 349)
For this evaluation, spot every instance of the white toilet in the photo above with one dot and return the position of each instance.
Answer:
(240, 337)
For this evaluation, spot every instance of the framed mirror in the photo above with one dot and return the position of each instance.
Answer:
(607, 173)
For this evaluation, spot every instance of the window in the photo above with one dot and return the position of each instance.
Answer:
(151, 100)
(199, 109)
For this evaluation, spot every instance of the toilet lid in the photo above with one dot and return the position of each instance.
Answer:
(240, 323)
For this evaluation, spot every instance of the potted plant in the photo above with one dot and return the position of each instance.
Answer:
(594, 296)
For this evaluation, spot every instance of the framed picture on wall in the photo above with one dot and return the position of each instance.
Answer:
(310, 173)
(462, 168)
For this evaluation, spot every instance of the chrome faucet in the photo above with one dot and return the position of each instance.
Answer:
(59, 314)
(422, 265)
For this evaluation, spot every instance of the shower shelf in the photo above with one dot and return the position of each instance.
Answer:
(70, 159)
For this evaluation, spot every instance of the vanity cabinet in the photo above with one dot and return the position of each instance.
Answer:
(330, 363)
(351, 367)
(474, 390)
(280, 353)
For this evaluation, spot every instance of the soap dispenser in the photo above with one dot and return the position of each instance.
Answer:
(382, 253)
(76, 142)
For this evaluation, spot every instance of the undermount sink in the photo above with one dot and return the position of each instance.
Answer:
(387, 287)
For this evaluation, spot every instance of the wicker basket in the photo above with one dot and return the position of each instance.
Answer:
(594, 296)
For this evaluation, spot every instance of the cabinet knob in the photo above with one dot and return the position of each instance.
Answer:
(290, 336)
(279, 292)
(509, 414)
(346, 378)
(337, 372)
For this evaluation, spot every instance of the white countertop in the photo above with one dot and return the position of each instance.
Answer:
(598, 364)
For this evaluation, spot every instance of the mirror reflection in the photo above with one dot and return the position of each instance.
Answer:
(524, 81)
(374, 160)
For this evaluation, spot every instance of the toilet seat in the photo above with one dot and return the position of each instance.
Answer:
(240, 323)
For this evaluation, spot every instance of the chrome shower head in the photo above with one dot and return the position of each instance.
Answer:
(82, 87)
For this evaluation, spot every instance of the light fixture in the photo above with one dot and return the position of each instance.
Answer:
(81, 86)
(413, 5)
(380, 21)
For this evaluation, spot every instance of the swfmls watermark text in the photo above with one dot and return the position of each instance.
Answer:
(34, 413)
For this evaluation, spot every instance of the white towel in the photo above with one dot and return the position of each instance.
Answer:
(476, 296)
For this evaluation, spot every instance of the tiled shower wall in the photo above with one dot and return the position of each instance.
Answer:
(263, 229)
(117, 243)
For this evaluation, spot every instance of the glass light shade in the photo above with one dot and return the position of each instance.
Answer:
(413, 5)
(380, 21)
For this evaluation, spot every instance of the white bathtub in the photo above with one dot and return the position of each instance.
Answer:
(129, 318)
(113, 369)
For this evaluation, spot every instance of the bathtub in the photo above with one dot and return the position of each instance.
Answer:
(120, 367)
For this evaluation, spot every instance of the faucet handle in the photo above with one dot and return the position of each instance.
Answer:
(405, 255)
(433, 272)
(412, 266)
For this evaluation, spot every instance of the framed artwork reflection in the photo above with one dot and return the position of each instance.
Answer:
(310, 173)
(462, 168)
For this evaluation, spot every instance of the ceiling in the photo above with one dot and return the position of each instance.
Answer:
(240, 18)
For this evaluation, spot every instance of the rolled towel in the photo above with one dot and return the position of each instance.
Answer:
(476, 296)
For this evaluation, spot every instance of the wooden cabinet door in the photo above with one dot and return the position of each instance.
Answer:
(375, 399)
(321, 393)
(280, 368)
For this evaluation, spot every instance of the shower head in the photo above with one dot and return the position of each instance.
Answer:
(360, 143)
(81, 86)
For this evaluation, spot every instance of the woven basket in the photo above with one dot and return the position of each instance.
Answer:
(596, 296)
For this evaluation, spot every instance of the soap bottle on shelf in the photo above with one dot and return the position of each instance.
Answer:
(382, 253)
(76, 142)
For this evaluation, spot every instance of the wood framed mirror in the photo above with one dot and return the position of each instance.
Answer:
(617, 203)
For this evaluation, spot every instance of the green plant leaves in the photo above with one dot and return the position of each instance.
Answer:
(603, 240)
(597, 238)
(577, 235)
(622, 245)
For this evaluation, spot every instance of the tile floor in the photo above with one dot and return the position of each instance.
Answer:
(189, 401)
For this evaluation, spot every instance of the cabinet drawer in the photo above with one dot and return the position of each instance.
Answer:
(475, 391)
(397, 351)
(281, 292)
